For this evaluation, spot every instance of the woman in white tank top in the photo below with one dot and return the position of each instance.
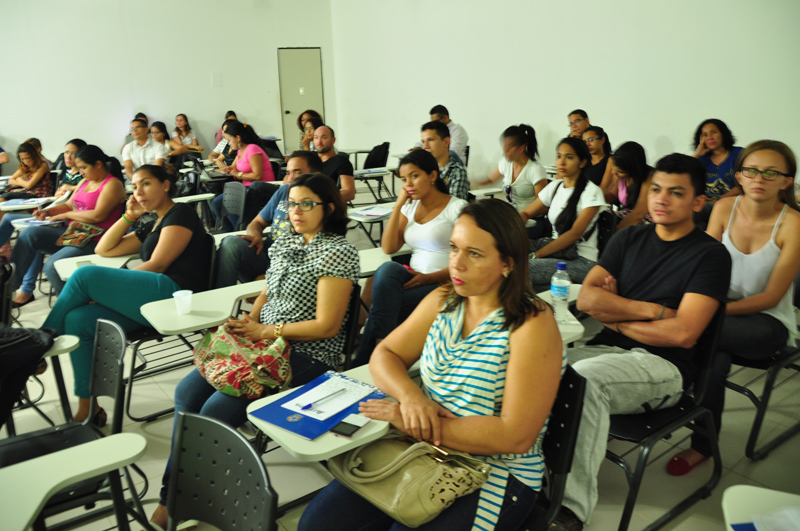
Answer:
(761, 230)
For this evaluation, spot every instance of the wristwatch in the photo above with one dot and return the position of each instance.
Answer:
(239, 175)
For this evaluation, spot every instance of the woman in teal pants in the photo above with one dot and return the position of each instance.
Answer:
(175, 252)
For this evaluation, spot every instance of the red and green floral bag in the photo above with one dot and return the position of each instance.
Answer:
(240, 367)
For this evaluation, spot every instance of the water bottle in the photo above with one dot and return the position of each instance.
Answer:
(559, 292)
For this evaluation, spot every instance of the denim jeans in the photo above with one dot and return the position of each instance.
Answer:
(391, 305)
(195, 395)
(541, 270)
(6, 228)
(237, 261)
(618, 382)
(338, 508)
(37, 241)
(118, 296)
(229, 222)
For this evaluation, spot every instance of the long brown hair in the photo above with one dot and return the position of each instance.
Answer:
(502, 221)
(786, 196)
(30, 149)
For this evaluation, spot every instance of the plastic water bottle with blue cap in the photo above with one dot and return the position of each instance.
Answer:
(559, 292)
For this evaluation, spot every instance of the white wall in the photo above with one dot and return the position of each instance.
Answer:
(83, 68)
(645, 71)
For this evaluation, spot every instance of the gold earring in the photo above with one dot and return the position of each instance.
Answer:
(506, 273)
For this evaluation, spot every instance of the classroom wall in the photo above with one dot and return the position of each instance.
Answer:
(645, 71)
(83, 68)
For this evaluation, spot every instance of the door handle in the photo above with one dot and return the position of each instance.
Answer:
(287, 112)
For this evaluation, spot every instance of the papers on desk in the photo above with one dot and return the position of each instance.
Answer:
(377, 211)
(34, 201)
(60, 201)
(45, 222)
(288, 413)
(370, 171)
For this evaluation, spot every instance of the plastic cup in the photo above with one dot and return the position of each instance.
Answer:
(183, 301)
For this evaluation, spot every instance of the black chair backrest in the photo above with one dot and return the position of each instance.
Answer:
(378, 157)
(705, 353)
(212, 249)
(218, 478)
(558, 445)
(351, 325)
(276, 170)
(107, 368)
(271, 148)
(6, 281)
(606, 226)
(466, 156)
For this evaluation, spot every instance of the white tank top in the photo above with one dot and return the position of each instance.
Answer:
(750, 274)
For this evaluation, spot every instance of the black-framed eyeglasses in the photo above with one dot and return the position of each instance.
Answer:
(305, 206)
(133, 129)
(768, 175)
(591, 140)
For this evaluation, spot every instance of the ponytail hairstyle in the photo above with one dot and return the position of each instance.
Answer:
(246, 132)
(91, 155)
(567, 217)
(427, 163)
(29, 149)
(599, 132)
(786, 196)
(188, 127)
(524, 134)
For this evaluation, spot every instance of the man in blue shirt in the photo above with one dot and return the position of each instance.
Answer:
(244, 257)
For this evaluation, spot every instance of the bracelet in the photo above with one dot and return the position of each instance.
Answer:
(278, 330)
(663, 309)
(128, 220)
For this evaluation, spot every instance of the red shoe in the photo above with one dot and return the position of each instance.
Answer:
(678, 466)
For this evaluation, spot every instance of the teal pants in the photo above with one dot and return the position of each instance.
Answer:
(118, 296)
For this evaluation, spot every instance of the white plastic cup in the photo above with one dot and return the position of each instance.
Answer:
(183, 301)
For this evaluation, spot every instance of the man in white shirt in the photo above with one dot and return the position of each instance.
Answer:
(143, 149)
(458, 136)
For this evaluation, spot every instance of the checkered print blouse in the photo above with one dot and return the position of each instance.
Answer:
(292, 280)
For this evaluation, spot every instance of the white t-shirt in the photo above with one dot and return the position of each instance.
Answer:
(431, 241)
(555, 196)
(522, 190)
(185, 140)
(149, 153)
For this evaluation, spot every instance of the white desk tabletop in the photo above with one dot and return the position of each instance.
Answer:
(25, 487)
(194, 198)
(372, 259)
(326, 445)
(741, 502)
(30, 206)
(484, 192)
(62, 345)
(66, 266)
(209, 308)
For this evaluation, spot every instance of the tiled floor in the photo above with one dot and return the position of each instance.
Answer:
(660, 491)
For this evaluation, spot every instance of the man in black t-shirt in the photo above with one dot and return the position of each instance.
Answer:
(655, 289)
(337, 166)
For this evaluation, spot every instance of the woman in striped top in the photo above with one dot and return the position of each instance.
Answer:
(481, 393)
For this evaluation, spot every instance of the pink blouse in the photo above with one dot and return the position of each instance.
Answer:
(83, 200)
(243, 164)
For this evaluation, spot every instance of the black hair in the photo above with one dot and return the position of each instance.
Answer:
(311, 114)
(567, 217)
(143, 122)
(91, 155)
(441, 129)
(188, 127)
(160, 173)
(579, 112)
(323, 186)
(728, 140)
(141, 115)
(162, 127)
(248, 134)
(602, 134)
(502, 221)
(427, 163)
(77, 142)
(678, 163)
(441, 110)
(311, 158)
(630, 158)
(230, 114)
(524, 134)
(315, 122)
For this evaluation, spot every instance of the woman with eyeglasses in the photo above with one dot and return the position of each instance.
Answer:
(761, 230)
(523, 176)
(423, 217)
(600, 149)
(305, 300)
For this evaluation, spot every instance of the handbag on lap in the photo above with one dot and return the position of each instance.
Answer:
(240, 367)
(78, 234)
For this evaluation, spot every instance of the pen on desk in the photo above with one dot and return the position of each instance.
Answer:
(319, 401)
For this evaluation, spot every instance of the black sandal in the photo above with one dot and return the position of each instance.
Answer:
(100, 418)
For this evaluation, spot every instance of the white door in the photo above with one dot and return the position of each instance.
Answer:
(300, 71)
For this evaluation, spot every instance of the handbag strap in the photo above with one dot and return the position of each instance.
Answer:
(360, 476)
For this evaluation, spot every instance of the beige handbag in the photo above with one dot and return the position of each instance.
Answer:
(409, 480)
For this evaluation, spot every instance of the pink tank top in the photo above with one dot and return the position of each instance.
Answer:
(88, 201)
(243, 164)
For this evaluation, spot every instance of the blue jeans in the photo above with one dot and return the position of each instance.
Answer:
(338, 508)
(6, 228)
(237, 261)
(195, 395)
(118, 296)
(230, 221)
(33, 243)
(391, 305)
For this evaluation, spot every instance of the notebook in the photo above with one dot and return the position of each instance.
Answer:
(284, 413)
